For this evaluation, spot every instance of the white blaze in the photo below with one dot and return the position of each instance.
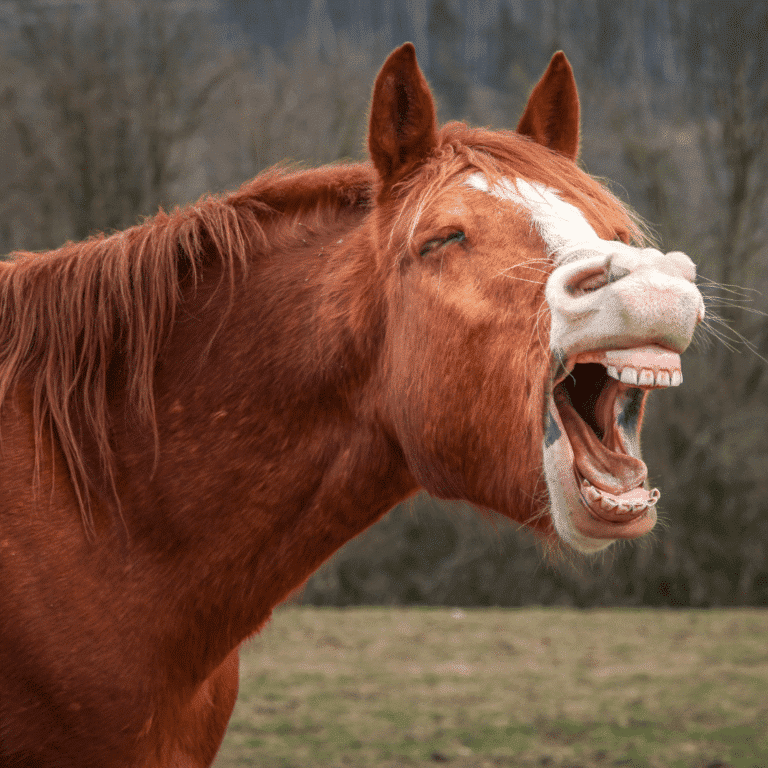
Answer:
(562, 226)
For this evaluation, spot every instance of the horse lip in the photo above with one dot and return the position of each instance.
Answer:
(607, 527)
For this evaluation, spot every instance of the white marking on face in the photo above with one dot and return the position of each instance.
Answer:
(562, 226)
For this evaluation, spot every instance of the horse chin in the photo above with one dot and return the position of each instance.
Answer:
(596, 480)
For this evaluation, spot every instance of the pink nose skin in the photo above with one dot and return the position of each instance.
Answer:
(614, 296)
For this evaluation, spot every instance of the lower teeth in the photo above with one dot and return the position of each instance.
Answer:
(608, 504)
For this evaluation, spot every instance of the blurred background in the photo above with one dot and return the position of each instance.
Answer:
(111, 108)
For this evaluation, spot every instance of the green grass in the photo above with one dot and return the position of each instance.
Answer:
(535, 687)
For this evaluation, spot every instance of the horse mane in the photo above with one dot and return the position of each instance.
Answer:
(67, 314)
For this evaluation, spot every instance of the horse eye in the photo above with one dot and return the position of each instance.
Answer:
(455, 237)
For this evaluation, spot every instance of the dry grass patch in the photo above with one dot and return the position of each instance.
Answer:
(534, 687)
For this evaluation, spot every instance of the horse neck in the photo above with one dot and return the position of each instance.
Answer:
(270, 454)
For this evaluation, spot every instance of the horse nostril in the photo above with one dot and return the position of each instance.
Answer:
(588, 282)
(593, 278)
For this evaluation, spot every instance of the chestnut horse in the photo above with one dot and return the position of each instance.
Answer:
(198, 411)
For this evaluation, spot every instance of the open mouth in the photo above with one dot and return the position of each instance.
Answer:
(597, 402)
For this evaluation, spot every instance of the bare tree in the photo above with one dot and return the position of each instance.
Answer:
(99, 103)
(715, 432)
(312, 105)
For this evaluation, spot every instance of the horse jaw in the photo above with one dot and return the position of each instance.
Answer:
(586, 516)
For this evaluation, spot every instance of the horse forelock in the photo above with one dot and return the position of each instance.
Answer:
(499, 155)
(66, 314)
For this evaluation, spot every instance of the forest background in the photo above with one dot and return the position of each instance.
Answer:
(111, 108)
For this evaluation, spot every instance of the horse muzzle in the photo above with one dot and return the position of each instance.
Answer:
(620, 317)
(624, 298)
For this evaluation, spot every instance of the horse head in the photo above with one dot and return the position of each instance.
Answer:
(527, 320)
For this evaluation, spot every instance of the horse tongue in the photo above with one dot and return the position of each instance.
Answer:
(608, 470)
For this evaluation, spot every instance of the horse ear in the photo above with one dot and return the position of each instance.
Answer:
(402, 129)
(551, 117)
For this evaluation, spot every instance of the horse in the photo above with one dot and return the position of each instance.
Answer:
(199, 410)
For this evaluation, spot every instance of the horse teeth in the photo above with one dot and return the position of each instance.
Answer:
(629, 376)
(616, 506)
(592, 493)
(646, 378)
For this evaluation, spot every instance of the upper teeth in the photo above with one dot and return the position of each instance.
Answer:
(645, 377)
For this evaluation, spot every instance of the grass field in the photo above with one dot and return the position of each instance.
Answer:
(533, 687)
